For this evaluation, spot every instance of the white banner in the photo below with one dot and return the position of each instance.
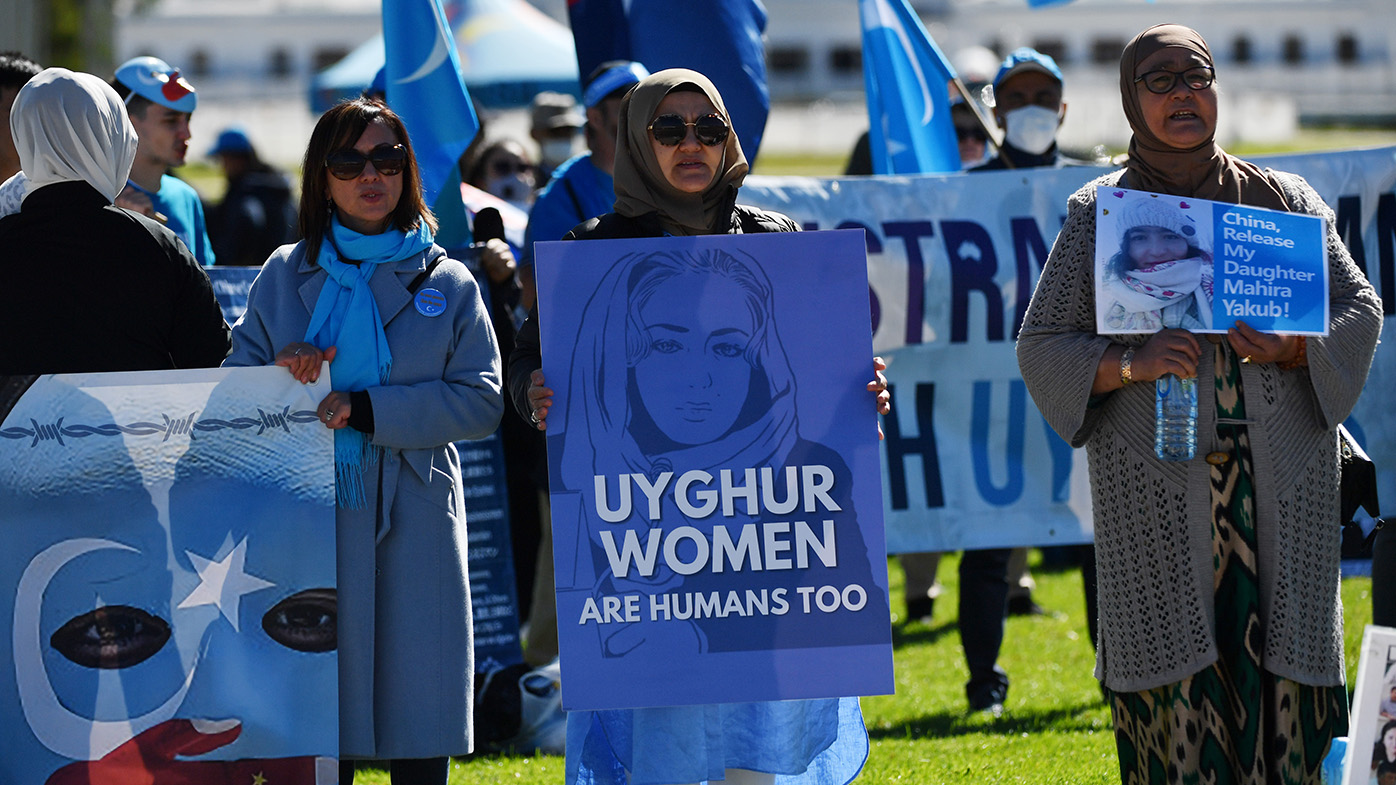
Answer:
(952, 261)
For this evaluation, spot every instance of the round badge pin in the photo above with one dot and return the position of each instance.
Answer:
(430, 302)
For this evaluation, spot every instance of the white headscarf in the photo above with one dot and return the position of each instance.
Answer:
(70, 126)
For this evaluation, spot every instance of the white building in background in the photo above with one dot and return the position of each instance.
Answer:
(1279, 61)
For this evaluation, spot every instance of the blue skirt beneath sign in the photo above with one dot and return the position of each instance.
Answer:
(803, 742)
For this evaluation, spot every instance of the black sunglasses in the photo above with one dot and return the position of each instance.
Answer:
(1161, 81)
(670, 129)
(503, 167)
(975, 133)
(388, 160)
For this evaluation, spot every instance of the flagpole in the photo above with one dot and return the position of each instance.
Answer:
(990, 130)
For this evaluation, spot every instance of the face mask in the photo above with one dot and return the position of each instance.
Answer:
(555, 151)
(1032, 129)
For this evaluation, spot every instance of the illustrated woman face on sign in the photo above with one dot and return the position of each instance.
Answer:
(695, 328)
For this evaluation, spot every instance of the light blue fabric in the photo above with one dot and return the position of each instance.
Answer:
(435, 105)
(577, 192)
(184, 215)
(807, 742)
(346, 317)
(905, 76)
(405, 649)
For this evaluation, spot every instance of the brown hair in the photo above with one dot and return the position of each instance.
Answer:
(337, 129)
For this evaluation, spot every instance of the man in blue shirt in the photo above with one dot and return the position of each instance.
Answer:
(160, 101)
(581, 188)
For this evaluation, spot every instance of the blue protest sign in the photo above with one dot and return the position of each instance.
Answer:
(170, 560)
(1274, 273)
(717, 513)
(1170, 261)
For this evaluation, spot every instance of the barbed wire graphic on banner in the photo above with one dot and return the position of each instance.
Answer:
(172, 426)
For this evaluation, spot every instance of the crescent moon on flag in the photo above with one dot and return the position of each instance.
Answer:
(438, 52)
(70, 735)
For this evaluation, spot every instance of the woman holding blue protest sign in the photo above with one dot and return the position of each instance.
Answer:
(1221, 642)
(678, 169)
(414, 367)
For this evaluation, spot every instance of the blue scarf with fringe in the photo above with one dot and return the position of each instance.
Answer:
(346, 316)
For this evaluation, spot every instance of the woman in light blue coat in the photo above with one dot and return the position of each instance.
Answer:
(414, 366)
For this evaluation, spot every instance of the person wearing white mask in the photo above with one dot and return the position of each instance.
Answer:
(557, 128)
(1029, 108)
(995, 582)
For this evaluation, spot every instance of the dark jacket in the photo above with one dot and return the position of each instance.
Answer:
(86, 286)
(527, 356)
(1021, 159)
(256, 216)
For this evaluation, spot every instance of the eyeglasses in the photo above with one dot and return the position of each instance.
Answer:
(670, 129)
(1161, 81)
(388, 160)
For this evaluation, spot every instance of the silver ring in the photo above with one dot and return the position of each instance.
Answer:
(533, 415)
(298, 352)
(329, 415)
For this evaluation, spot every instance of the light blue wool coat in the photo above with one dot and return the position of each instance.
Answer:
(405, 644)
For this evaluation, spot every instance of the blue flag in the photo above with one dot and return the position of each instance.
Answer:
(908, 101)
(424, 87)
(721, 39)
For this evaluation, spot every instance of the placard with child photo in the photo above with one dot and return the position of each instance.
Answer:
(1169, 261)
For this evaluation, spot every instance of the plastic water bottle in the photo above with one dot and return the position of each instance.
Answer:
(1175, 418)
(1333, 762)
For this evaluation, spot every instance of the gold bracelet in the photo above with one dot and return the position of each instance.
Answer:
(1300, 359)
(1126, 359)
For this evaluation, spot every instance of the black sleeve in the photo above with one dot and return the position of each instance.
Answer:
(361, 411)
(526, 358)
(199, 337)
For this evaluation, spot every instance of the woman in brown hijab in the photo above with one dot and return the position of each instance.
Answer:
(678, 168)
(1221, 645)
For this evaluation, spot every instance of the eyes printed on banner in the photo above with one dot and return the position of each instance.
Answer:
(111, 637)
(306, 621)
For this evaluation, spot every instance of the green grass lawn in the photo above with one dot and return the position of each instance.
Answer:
(1055, 728)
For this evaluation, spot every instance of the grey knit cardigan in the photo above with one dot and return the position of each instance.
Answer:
(1153, 522)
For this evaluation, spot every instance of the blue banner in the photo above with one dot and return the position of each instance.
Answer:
(424, 87)
(170, 560)
(717, 524)
(906, 79)
(494, 599)
(720, 39)
(952, 262)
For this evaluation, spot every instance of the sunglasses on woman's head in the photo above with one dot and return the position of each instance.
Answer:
(1161, 81)
(670, 129)
(388, 160)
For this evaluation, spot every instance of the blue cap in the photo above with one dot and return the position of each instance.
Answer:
(232, 140)
(154, 80)
(620, 75)
(1026, 59)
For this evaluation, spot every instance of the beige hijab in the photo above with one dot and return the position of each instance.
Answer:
(640, 185)
(1205, 171)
